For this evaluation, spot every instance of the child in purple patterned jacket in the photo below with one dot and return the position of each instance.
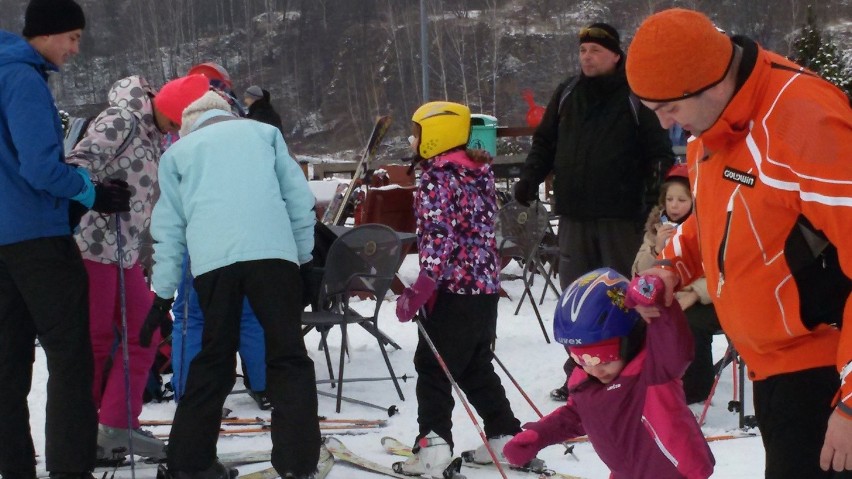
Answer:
(455, 207)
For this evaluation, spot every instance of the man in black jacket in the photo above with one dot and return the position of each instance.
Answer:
(603, 147)
(260, 108)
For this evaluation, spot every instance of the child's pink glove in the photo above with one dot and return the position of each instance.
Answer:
(522, 448)
(645, 290)
(415, 297)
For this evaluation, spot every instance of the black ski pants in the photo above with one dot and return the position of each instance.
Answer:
(588, 245)
(463, 328)
(274, 291)
(44, 293)
(792, 413)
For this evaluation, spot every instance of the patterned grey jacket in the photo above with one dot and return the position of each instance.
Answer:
(123, 142)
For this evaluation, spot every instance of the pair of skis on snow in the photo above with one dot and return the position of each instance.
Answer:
(395, 447)
(341, 453)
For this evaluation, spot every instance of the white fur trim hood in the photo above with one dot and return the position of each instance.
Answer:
(209, 101)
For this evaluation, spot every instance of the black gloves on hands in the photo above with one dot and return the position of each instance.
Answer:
(524, 191)
(76, 211)
(159, 312)
(112, 196)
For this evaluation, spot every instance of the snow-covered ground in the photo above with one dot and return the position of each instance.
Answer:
(536, 366)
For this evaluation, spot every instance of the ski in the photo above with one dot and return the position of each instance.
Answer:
(229, 459)
(335, 213)
(343, 454)
(254, 421)
(325, 464)
(394, 446)
(735, 434)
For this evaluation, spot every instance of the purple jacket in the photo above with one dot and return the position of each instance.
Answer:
(455, 206)
(639, 424)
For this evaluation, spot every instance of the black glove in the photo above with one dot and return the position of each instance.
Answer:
(112, 196)
(525, 191)
(76, 211)
(310, 283)
(159, 312)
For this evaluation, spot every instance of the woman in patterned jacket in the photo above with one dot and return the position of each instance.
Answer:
(122, 143)
(455, 207)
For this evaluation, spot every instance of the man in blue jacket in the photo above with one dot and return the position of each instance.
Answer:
(43, 285)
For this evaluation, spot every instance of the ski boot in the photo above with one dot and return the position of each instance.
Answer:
(69, 475)
(216, 471)
(326, 460)
(113, 444)
(431, 457)
(481, 455)
(261, 399)
(560, 394)
(27, 474)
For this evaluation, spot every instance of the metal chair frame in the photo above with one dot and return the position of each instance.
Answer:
(363, 260)
(520, 230)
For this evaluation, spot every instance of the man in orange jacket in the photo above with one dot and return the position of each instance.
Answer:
(771, 175)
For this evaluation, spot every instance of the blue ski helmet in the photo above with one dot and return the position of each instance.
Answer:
(592, 309)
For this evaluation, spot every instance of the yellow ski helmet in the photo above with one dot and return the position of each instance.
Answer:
(444, 125)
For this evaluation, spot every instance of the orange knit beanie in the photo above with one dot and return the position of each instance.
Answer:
(177, 94)
(676, 54)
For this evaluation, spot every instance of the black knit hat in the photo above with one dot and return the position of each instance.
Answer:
(47, 17)
(604, 35)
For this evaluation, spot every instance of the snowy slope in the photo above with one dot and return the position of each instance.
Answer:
(520, 346)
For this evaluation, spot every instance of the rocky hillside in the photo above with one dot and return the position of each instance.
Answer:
(333, 65)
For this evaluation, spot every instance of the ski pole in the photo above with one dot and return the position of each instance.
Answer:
(520, 389)
(458, 392)
(125, 354)
(404, 378)
(390, 410)
(725, 359)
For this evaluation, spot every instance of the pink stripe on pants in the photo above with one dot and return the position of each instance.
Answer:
(105, 330)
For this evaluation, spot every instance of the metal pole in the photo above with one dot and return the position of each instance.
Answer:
(125, 353)
(424, 50)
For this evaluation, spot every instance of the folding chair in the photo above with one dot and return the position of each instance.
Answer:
(736, 404)
(361, 261)
(519, 231)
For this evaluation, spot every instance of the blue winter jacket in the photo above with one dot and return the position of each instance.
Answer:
(229, 192)
(35, 182)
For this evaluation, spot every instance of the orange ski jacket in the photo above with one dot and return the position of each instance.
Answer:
(782, 148)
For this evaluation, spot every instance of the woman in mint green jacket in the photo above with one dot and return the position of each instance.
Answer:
(234, 198)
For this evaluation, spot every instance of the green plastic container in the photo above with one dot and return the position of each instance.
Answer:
(483, 133)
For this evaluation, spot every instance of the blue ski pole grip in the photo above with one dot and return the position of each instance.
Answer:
(645, 290)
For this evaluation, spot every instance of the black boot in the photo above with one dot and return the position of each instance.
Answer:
(70, 475)
(215, 471)
(28, 474)
(261, 399)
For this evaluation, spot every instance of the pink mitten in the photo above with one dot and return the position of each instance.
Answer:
(522, 448)
(645, 290)
(414, 297)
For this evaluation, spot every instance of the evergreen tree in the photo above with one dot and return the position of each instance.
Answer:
(820, 56)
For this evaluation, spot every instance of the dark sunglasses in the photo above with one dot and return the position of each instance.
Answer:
(595, 32)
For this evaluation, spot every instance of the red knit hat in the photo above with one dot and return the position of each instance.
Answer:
(676, 54)
(177, 94)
